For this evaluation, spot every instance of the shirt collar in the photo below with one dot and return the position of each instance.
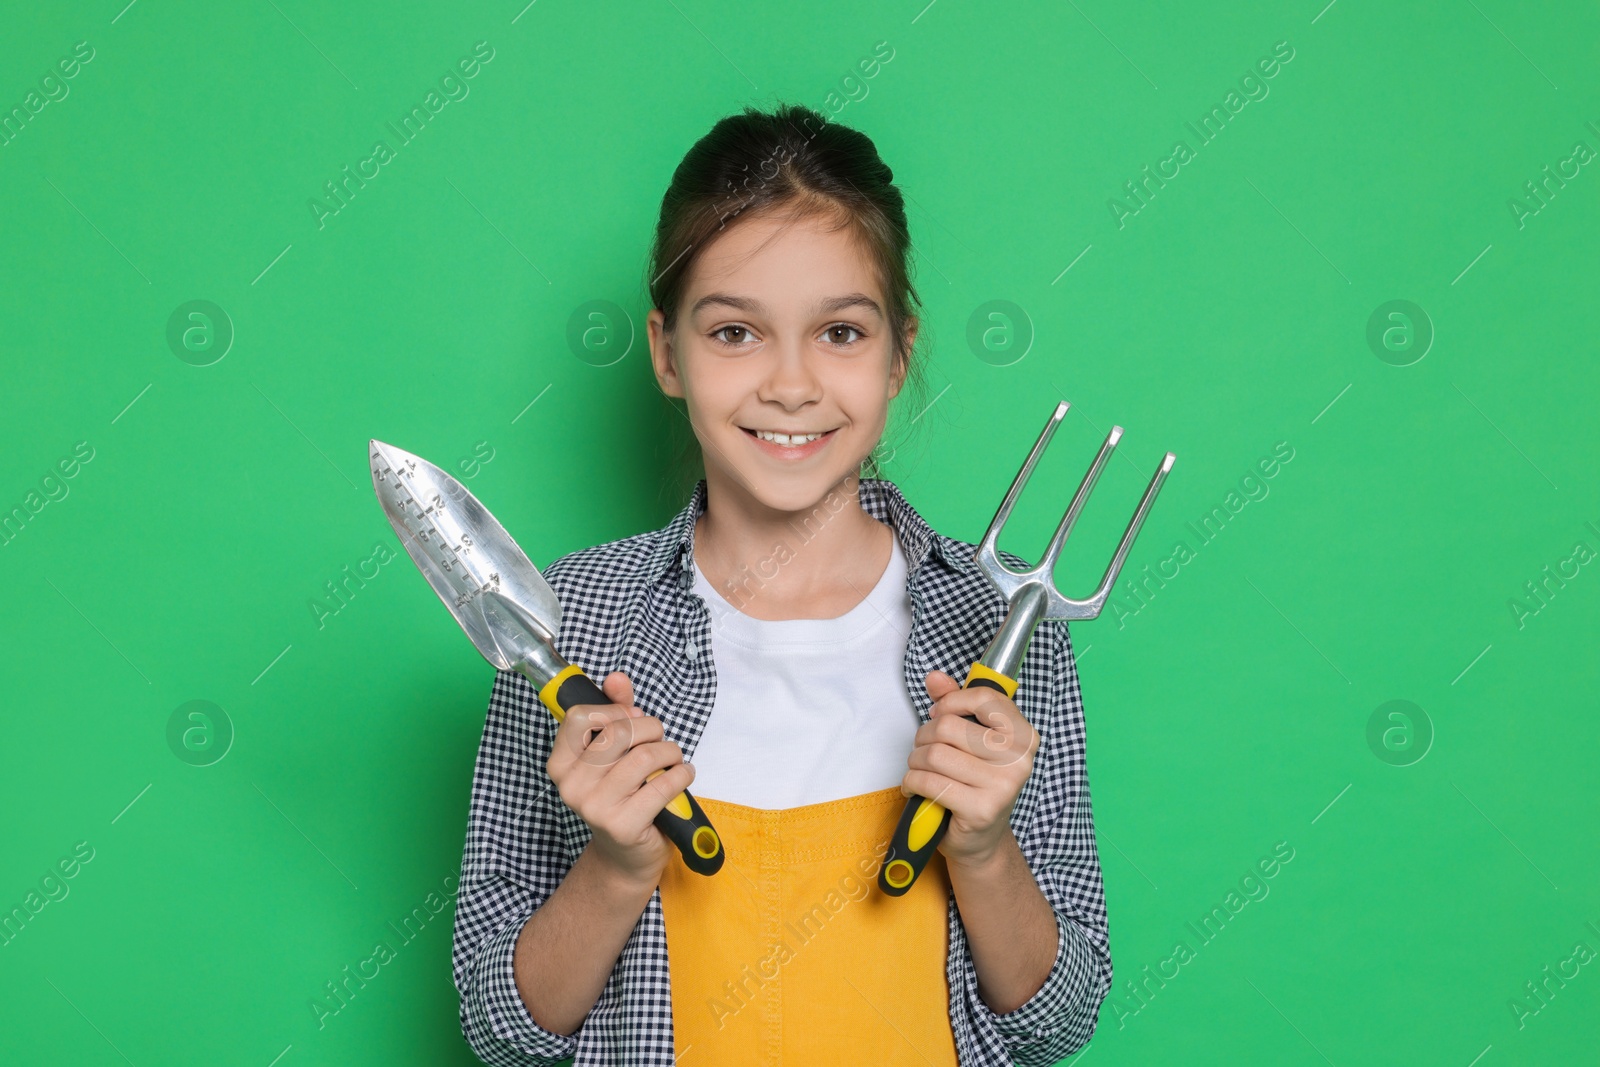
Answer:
(880, 498)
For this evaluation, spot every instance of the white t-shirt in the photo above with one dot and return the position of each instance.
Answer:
(808, 710)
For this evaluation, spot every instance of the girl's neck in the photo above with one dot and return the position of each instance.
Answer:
(816, 563)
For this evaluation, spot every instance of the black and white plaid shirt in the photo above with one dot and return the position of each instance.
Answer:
(627, 605)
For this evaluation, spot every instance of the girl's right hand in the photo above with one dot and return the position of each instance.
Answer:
(602, 756)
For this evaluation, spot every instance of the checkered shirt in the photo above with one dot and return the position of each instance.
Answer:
(627, 605)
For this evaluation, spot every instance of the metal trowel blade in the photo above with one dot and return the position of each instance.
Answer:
(465, 554)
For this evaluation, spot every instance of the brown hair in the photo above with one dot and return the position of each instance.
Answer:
(792, 162)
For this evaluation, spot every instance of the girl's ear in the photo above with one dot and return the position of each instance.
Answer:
(661, 360)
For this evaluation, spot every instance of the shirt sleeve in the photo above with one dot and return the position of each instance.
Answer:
(1059, 845)
(515, 857)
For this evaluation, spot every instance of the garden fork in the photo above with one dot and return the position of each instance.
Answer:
(1032, 597)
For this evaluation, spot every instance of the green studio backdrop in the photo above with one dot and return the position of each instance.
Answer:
(1339, 257)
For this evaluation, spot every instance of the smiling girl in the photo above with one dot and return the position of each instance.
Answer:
(791, 630)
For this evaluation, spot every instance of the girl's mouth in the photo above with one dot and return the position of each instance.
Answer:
(790, 451)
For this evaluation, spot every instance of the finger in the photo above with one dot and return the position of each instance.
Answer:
(620, 736)
(1004, 724)
(1006, 743)
(953, 762)
(995, 730)
(619, 687)
(625, 777)
(1002, 736)
(583, 721)
(937, 788)
(588, 782)
(975, 703)
(654, 794)
(940, 683)
(573, 734)
(997, 747)
(951, 728)
(597, 735)
(992, 709)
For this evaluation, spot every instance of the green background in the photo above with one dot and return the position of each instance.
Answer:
(1228, 713)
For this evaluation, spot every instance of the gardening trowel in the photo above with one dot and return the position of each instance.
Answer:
(506, 607)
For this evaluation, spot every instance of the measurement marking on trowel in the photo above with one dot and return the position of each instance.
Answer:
(450, 555)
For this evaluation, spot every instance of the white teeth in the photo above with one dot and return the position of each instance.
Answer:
(788, 440)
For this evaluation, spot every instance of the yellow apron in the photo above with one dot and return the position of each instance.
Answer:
(791, 954)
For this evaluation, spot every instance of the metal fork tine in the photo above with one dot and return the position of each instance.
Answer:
(991, 537)
(1033, 592)
(1047, 566)
(1133, 530)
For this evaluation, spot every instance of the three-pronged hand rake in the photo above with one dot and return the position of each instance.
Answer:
(1033, 597)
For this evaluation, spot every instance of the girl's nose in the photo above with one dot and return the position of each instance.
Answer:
(791, 378)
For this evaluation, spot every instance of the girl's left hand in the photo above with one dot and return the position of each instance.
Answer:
(975, 769)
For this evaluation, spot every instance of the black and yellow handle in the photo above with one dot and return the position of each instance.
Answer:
(682, 820)
(923, 822)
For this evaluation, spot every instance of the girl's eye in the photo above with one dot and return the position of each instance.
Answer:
(832, 332)
(743, 331)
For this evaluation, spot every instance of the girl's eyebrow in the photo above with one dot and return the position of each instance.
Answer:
(750, 306)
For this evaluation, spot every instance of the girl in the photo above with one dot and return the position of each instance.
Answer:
(793, 629)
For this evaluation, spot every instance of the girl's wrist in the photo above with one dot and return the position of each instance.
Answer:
(986, 862)
(616, 880)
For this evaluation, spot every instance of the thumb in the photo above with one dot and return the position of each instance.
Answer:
(618, 688)
(939, 683)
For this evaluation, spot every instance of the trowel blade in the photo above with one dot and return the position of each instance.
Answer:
(464, 553)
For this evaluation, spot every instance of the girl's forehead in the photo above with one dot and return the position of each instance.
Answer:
(799, 263)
